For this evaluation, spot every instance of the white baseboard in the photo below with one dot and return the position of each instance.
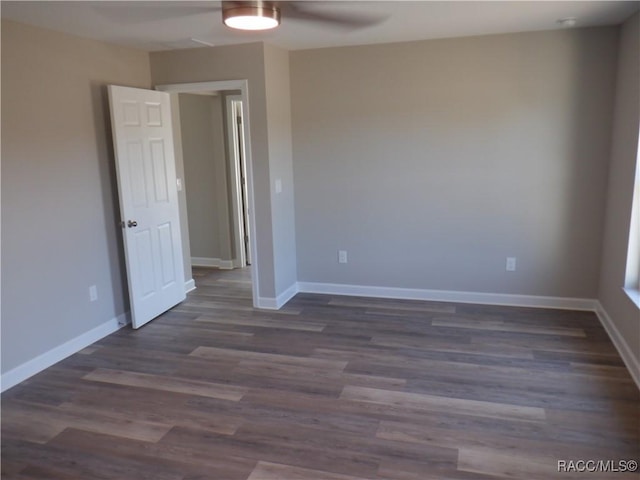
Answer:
(124, 319)
(236, 263)
(53, 356)
(189, 285)
(269, 303)
(449, 296)
(287, 295)
(632, 363)
(212, 262)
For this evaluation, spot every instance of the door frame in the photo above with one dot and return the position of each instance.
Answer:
(243, 86)
(235, 167)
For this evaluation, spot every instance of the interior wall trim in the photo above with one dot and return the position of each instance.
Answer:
(212, 262)
(632, 363)
(449, 296)
(189, 285)
(53, 356)
(269, 303)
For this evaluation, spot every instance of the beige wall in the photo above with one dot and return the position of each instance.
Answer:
(624, 151)
(431, 162)
(205, 175)
(182, 194)
(235, 63)
(278, 91)
(59, 198)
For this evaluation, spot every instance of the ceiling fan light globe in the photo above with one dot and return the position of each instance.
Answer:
(251, 18)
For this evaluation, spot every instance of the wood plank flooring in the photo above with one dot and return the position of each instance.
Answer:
(328, 388)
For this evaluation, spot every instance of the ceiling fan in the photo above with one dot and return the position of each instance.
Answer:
(264, 15)
(248, 14)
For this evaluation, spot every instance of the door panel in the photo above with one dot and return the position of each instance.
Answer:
(166, 255)
(159, 171)
(144, 257)
(138, 179)
(143, 143)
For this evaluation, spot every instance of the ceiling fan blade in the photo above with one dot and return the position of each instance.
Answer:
(343, 20)
(141, 12)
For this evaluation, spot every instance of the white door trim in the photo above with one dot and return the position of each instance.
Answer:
(243, 86)
(236, 190)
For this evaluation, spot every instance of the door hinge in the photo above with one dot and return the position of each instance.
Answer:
(246, 239)
(239, 120)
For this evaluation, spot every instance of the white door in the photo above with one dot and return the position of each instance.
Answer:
(145, 165)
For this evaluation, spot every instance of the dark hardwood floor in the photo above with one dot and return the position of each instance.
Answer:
(328, 388)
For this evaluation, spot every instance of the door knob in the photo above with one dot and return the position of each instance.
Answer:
(132, 223)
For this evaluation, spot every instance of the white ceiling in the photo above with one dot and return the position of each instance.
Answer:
(165, 25)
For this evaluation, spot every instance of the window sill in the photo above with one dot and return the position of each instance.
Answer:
(634, 295)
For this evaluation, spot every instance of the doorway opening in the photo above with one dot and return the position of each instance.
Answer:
(232, 191)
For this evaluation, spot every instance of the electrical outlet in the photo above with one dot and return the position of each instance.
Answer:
(93, 293)
(511, 264)
(342, 256)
